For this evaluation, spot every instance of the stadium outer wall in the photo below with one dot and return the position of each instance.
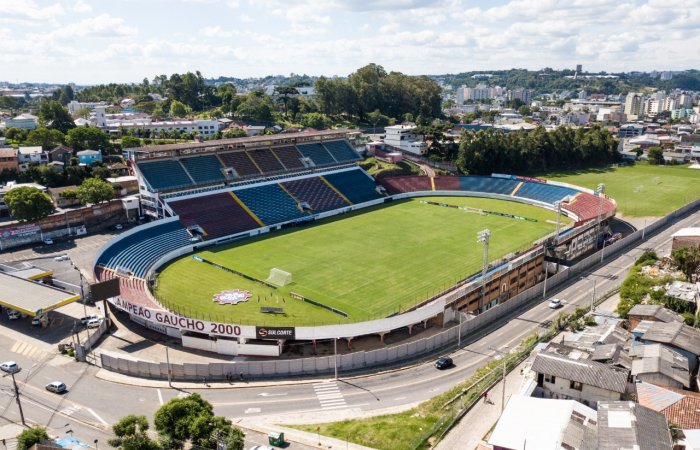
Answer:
(231, 339)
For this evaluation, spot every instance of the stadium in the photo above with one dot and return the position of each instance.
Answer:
(262, 241)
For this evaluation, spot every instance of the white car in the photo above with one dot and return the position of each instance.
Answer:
(555, 303)
(9, 367)
(94, 323)
(61, 258)
(86, 319)
(48, 241)
(57, 387)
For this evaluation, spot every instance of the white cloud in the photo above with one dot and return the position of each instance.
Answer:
(104, 26)
(82, 7)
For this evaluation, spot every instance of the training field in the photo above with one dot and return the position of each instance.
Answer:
(368, 264)
(641, 190)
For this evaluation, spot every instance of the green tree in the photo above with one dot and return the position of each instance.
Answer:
(284, 93)
(256, 106)
(47, 138)
(178, 109)
(94, 190)
(687, 259)
(53, 115)
(132, 434)
(235, 440)
(28, 204)
(317, 121)
(88, 138)
(130, 142)
(234, 133)
(31, 436)
(655, 155)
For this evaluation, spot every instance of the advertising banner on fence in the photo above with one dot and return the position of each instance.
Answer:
(274, 332)
(21, 231)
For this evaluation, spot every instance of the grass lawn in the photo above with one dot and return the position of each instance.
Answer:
(641, 190)
(369, 264)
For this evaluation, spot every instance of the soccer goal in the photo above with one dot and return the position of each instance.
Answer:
(279, 277)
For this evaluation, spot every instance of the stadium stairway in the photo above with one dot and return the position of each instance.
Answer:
(217, 214)
(270, 203)
(355, 185)
(317, 193)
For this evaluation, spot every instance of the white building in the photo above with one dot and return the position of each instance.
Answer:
(634, 106)
(402, 137)
(204, 127)
(24, 121)
(31, 155)
(74, 106)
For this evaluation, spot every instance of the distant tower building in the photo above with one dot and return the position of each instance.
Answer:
(579, 68)
(100, 119)
(634, 106)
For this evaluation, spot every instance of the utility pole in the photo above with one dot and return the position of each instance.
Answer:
(483, 237)
(335, 358)
(504, 357)
(459, 330)
(170, 372)
(601, 193)
(19, 403)
(593, 297)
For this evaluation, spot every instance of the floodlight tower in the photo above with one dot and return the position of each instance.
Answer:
(601, 193)
(483, 237)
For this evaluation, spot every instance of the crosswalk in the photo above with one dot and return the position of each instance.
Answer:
(26, 349)
(329, 395)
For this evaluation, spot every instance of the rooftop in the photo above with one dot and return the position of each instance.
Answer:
(31, 298)
(688, 232)
(657, 311)
(31, 150)
(627, 425)
(675, 334)
(678, 406)
(590, 373)
(655, 358)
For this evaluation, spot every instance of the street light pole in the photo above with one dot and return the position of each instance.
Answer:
(504, 356)
(601, 192)
(593, 296)
(459, 330)
(335, 358)
(483, 237)
(19, 403)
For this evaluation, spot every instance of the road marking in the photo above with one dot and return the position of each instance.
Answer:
(252, 411)
(400, 398)
(329, 395)
(160, 397)
(97, 417)
(267, 394)
(69, 411)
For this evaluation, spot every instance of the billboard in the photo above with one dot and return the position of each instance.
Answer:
(274, 332)
(104, 290)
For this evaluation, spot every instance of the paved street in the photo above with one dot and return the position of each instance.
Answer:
(97, 399)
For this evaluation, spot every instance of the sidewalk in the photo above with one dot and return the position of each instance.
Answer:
(470, 431)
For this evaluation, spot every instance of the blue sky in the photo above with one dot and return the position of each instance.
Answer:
(89, 42)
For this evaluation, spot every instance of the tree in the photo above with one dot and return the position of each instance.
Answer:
(655, 155)
(28, 204)
(234, 133)
(94, 190)
(130, 142)
(84, 138)
(317, 121)
(178, 109)
(687, 259)
(132, 434)
(31, 436)
(53, 115)
(45, 137)
(256, 106)
(235, 440)
(285, 92)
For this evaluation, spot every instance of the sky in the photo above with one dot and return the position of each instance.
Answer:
(90, 42)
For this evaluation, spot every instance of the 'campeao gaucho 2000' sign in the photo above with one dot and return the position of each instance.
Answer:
(169, 319)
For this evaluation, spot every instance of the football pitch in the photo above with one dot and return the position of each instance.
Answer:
(642, 190)
(368, 264)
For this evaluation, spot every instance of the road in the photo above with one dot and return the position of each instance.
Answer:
(92, 404)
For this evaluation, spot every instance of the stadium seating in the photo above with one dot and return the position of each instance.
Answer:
(586, 206)
(133, 290)
(241, 163)
(317, 152)
(137, 252)
(164, 174)
(289, 156)
(447, 183)
(217, 214)
(341, 151)
(204, 169)
(543, 192)
(355, 185)
(270, 203)
(408, 183)
(488, 184)
(316, 193)
(266, 161)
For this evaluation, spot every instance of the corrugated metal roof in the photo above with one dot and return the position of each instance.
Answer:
(626, 425)
(586, 372)
(676, 334)
(656, 397)
(655, 358)
(657, 311)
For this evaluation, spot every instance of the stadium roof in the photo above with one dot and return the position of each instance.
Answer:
(32, 298)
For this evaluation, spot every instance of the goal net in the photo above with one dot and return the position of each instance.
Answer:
(279, 277)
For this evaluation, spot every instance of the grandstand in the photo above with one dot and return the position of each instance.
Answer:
(266, 161)
(218, 214)
(240, 162)
(543, 192)
(289, 156)
(165, 174)
(204, 169)
(355, 185)
(317, 153)
(317, 193)
(341, 151)
(270, 203)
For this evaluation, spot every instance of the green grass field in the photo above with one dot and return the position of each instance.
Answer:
(641, 190)
(369, 264)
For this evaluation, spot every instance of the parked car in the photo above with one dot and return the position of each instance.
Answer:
(86, 319)
(48, 241)
(61, 258)
(36, 320)
(57, 387)
(9, 367)
(555, 303)
(118, 227)
(444, 362)
(94, 323)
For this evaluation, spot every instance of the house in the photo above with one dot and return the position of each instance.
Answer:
(657, 364)
(677, 336)
(57, 166)
(403, 138)
(24, 121)
(686, 237)
(8, 159)
(32, 155)
(587, 381)
(682, 408)
(125, 185)
(627, 425)
(61, 153)
(254, 130)
(63, 197)
(119, 168)
(537, 423)
(652, 313)
(88, 157)
(683, 291)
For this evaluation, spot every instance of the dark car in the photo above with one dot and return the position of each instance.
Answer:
(444, 362)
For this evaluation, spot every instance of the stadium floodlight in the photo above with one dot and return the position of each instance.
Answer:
(600, 190)
(483, 237)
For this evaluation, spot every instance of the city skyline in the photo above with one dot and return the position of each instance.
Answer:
(89, 42)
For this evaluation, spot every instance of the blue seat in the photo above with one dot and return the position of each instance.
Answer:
(341, 151)
(492, 185)
(204, 169)
(164, 174)
(317, 152)
(316, 193)
(270, 203)
(543, 192)
(355, 185)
